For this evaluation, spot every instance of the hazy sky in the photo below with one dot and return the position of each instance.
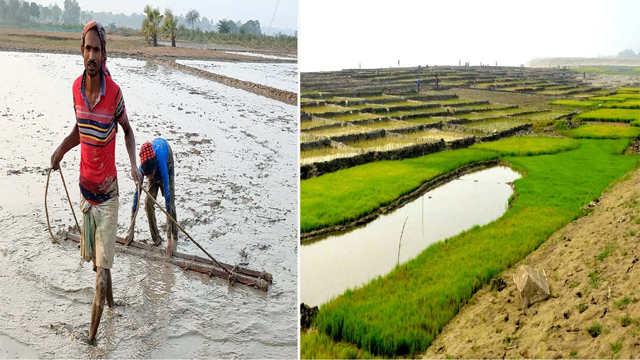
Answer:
(286, 15)
(337, 34)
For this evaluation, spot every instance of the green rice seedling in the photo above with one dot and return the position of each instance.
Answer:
(603, 131)
(614, 115)
(384, 97)
(324, 109)
(315, 122)
(400, 314)
(626, 320)
(608, 249)
(627, 104)
(338, 130)
(573, 353)
(582, 307)
(494, 113)
(357, 116)
(616, 346)
(622, 303)
(345, 195)
(402, 113)
(629, 90)
(594, 329)
(594, 278)
(326, 153)
(436, 135)
(315, 345)
(495, 125)
(430, 119)
(388, 125)
(528, 145)
(574, 103)
(304, 137)
(384, 144)
(543, 116)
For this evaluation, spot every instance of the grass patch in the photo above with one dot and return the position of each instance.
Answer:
(348, 194)
(528, 145)
(594, 329)
(325, 153)
(314, 345)
(436, 134)
(627, 104)
(384, 144)
(402, 312)
(616, 346)
(576, 103)
(603, 131)
(324, 109)
(614, 115)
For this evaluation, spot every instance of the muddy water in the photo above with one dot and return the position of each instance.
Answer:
(279, 76)
(330, 266)
(235, 158)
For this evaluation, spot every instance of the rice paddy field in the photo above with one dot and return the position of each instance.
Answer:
(577, 145)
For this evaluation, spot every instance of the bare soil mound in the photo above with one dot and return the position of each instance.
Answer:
(593, 270)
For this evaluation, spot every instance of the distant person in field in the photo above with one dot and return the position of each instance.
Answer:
(99, 108)
(156, 163)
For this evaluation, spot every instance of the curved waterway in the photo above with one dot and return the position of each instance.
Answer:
(330, 266)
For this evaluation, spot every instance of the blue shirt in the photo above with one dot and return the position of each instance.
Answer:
(161, 148)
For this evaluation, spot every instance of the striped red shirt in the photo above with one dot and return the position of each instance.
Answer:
(97, 125)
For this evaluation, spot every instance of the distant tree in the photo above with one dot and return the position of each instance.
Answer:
(23, 13)
(34, 10)
(192, 16)
(251, 27)
(45, 13)
(628, 54)
(224, 27)
(56, 13)
(4, 7)
(170, 26)
(71, 14)
(151, 24)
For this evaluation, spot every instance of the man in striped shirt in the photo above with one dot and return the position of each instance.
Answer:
(99, 108)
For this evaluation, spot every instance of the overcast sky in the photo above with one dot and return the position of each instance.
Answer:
(286, 14)
(337, 34)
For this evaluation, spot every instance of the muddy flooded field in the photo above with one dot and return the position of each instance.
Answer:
(280, 76)
(336, 263)
(236, 193)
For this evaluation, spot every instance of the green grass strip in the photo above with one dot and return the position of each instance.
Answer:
(627, 104)
(528, 145)
(317, 345)
(576, 103)
(402, 312)
(346, 195)
(603, 131)
(614, 115)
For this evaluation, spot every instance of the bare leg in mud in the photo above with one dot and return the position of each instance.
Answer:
(103, 287)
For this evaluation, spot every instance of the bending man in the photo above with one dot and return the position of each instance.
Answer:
(156, 163)
(99, 107)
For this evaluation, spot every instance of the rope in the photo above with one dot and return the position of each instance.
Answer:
(189, 236)
(46, 209)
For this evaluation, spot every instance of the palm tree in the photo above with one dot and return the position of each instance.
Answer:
(151, 24)
(223, 26)
(192, 16)
(170, 26)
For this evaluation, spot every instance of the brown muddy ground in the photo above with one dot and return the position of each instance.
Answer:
(236, 194)
(593, 270)
(133, 46)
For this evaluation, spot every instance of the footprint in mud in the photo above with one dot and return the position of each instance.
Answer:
(61, 328)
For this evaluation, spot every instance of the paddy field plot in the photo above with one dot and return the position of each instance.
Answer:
(280, 76)
(613, 115)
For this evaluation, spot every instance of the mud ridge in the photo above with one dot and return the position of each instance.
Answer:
(284, 96)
